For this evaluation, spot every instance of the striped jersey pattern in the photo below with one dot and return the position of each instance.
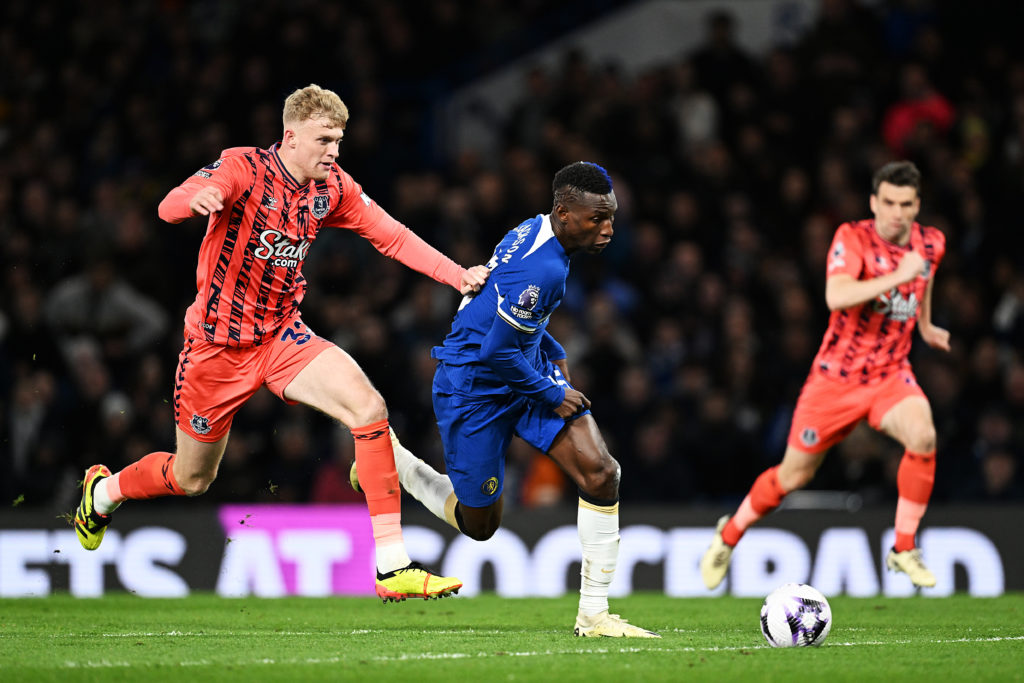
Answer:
(870, 341)
(249, 277)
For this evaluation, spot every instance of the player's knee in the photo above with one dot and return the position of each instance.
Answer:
(479, 529)
(479, 523)
(372, 409)
(480, 533)
(922, 440)
(196, 484)
(602, 481)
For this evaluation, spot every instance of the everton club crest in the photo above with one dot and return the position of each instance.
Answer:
(321, 205)
(200, 425)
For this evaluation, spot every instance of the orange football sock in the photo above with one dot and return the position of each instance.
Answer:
(150, 477)
(765, 495)
(914, 481)
(378, 478)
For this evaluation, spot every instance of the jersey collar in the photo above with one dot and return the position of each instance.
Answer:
(545, 234)
(289, 180)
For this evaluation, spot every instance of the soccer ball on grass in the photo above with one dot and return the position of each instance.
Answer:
(795, 615)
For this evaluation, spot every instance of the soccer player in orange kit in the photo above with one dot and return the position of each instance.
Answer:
(879, 287)
(244, 330)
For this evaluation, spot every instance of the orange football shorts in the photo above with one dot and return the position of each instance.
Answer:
(213, 381)
(828, 410)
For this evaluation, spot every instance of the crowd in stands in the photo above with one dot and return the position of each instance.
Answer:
(691, 334)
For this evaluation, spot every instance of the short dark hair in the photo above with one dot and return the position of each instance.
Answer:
(721, 18)
(898, 173)
(572, 181)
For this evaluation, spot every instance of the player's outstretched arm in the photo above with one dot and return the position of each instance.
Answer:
(396, 241)
(843, 290)
(359, 213)
(190, 200)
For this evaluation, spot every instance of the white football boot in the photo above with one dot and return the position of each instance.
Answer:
(909, 562)
(609, 626)
(715, 563)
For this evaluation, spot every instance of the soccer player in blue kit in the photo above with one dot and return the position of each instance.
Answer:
(500, 373)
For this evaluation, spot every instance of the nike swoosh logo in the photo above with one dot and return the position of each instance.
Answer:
(607, 571)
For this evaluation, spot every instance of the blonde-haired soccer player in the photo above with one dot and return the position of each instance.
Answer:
(265, 208)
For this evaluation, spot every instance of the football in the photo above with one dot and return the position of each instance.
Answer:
(795, 615)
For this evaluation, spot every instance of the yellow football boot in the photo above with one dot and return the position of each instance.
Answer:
(415, 581)
(89, 524)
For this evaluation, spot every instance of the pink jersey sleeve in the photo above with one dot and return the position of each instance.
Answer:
(221, 174)
(846, 253)
(362, 215)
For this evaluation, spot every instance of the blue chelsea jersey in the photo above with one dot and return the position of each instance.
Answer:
(527, 281)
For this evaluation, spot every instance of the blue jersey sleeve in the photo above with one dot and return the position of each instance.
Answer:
(502, 352)
(521, 307)
(503, 328)
(550, 346)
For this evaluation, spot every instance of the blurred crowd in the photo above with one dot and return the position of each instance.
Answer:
(691, 334)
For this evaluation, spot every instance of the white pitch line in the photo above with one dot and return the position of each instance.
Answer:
(354, 632)
(200, 634)
(234, 634)
(107, 664)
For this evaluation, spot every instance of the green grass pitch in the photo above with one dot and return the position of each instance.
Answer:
(487, 638)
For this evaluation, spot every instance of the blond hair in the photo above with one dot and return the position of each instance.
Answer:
(313, 102)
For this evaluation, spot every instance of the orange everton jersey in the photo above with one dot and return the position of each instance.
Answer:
(249, 277)
(872, 340)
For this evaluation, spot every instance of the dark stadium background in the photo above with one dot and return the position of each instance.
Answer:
(692, 334)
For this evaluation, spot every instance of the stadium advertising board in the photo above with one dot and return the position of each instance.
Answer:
(275, 550)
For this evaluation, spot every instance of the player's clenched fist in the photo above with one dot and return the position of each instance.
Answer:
(473, 279)
(206, 201)
(574, 402)
(910, 266)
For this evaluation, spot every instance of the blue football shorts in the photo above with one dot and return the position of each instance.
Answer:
(476, 430)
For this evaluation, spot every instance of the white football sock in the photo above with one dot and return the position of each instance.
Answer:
(101, 500)
(599, 536)
(387, 537)
(392, 557)
(425, 484)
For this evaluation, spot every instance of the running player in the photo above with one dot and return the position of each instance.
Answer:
(879, 287)
(265, 208)
(500, 373)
